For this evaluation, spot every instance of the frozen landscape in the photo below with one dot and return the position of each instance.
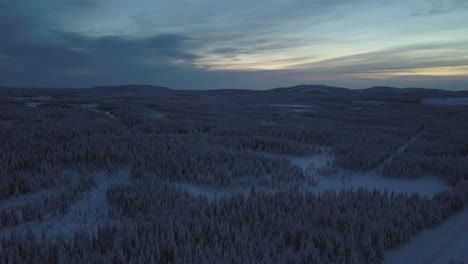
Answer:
(135, 174)
(237, 132)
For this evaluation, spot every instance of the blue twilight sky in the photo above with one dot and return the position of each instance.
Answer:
(210, 44)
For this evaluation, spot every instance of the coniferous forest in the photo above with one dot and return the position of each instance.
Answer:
(306, 174)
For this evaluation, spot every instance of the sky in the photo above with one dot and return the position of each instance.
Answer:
(243, 44)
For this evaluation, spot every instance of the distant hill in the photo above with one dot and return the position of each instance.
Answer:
(298, 93)
(130, 89)
(314, 89)
(409, 95)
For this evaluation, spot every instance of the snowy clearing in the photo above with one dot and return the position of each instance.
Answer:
(318, 161)
(439, 245)
(108, 114)
(70, 179)
(370, 102)
(210, 192)
(424, 186)
(90, 212)
(93, 107)
(88, 106)
(293, 105)
(33, 104)
(32, 101)
(371, 180)
(25, 199)
(343, 180)
(157, 115)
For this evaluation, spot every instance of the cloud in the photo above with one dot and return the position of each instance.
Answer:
(72, 55)
(65, 58)
(443, 54)
(437, 7)
(212, 44)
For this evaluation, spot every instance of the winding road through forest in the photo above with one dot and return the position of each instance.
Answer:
(442, 244)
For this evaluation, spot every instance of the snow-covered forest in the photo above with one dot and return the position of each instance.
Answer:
(137, 174)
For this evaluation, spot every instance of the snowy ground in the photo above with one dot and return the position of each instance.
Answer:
(90, 212)
(292, 105)
(93, 107)
(70, 178)
(425, 186)
(33, 104)
(370, 102)
(34, 101)
(296, 107)
(343, 180)
(371, 180)
(157, 115)
(319, 160)
(210, 192)
(439, 245)
(25, 199)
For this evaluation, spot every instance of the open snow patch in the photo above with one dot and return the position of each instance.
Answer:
(317, 160)
(339, 180)
(87, 214)
(293, 105)
(93, 107)
(370, 180)
(157, 115)
(425, 186)
(210, 192)
(33, 104)
(25, 199)
(89, 106)
(32, 101)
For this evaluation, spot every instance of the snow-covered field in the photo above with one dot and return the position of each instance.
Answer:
(157, 115)
(89, 106)
(93, 107)
(90, 212)
(424, 186)
(370, 102)
(440, 245)
(292, 105)
(296, 107)
(25, 199)
(33, 104)
(342, 180)
(319, 160)
(210, 192)
(33, 101)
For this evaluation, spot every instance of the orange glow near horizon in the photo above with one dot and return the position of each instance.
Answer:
(456, 71)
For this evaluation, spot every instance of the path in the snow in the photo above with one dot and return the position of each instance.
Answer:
(87, 214)
(442, 244)
(401, 149)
